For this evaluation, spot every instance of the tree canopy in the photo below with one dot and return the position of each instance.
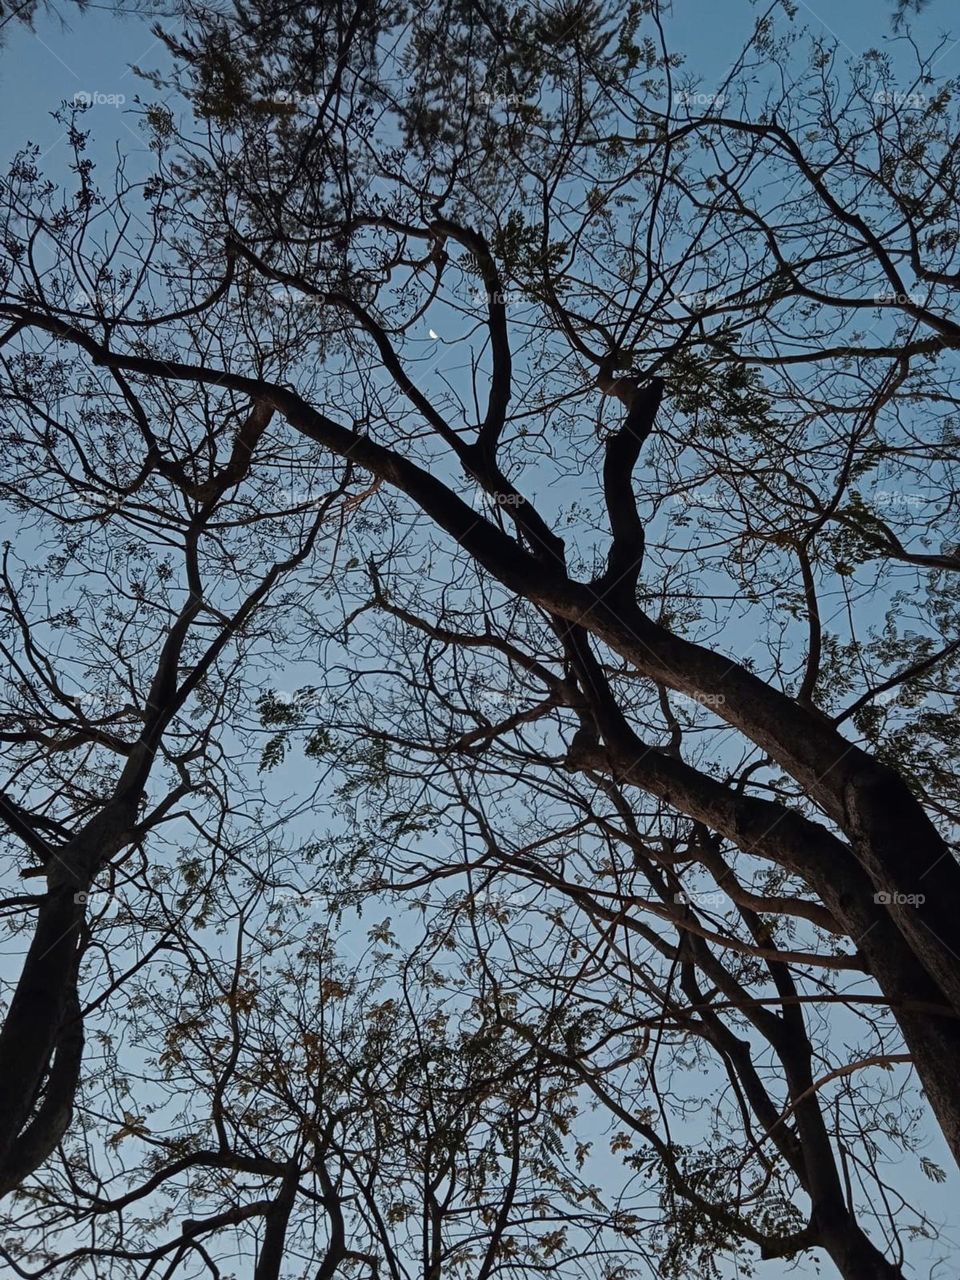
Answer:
(481, 641)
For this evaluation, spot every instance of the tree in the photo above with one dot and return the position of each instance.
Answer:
(657, 292)
(25, 12)
(904, 8)
(357, 1126)
(119, 698)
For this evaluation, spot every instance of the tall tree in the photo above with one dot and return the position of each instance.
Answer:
(650, 385)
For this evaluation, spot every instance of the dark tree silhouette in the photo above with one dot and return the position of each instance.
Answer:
(606, 424)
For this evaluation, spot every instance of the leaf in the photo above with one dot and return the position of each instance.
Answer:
(932, 1170)
(133, 1127)
(273, 752)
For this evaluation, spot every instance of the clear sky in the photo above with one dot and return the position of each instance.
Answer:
(95, 53)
